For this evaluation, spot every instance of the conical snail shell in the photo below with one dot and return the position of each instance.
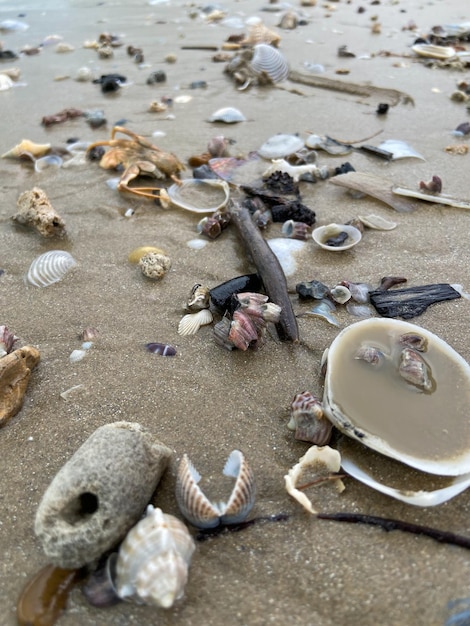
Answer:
(152, 565)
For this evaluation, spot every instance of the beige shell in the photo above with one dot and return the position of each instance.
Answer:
(377, 222)
(153, 561)
(199, 510)
(191, 323)
(259, 33)
(26, 145)
(434, 52)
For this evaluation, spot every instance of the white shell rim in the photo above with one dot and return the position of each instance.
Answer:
(322, 233)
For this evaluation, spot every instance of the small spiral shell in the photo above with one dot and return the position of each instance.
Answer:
(50, 267)
(199, 510)
(269, 61)
(153, 561)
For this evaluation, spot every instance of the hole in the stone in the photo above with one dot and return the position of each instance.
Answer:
(81, 508)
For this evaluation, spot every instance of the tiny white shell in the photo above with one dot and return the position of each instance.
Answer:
(152, 565)
(50, 267)
(340, 294)
(199, 510)
(191, 323)
(228, 115)
(268, 60)
(324, 233)
(77, 355)
(377, 222)
(280, 145)
(50, 160)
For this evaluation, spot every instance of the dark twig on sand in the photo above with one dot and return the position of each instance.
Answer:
(269, 268)
(387, 524)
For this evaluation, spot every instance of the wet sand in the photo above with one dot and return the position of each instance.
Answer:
(207, 401)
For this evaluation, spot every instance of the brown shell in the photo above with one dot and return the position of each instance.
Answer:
(308, 420)
(15, 369)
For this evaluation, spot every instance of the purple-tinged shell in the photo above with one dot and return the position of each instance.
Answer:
(164, 349)
(243, 331)
(308, 420)
(433, 186)
(7, 339)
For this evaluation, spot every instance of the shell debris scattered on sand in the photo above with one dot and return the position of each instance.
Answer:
(50, 267)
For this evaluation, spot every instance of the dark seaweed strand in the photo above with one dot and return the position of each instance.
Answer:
(269, 268)
(208, 533)
(388, 524)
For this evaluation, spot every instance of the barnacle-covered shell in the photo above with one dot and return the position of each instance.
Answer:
(308, 420)
(199, 510)
(49, 268)
(153, 561)
(154, 265)
(191, 323)
(270, 62)
(228, 115)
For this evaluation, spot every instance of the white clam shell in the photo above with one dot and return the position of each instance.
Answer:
(268, 60)
(191, 323)
(323, 233)
(199, 510)
(199, 195)
(152, 565)
(434, 52)
(280, 145)
(426, 428)
(49, 268)
(5, 82)
(77, 355)
(228, 115)
(377, 222)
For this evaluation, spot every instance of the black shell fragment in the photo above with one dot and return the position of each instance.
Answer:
(312, 290)
(221, 296)
(412, 301)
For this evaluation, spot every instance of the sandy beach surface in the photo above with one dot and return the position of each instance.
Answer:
(207, 401)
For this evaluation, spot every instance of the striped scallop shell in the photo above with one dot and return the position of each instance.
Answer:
(199, 510)
(153, 561)
(191, 323)
(267, 60)
(50, 267)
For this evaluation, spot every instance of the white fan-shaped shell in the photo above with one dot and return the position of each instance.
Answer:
(191, 323)
(280, 145)
(229, 115)
(50, 267)
(268, 60)
(152, 565)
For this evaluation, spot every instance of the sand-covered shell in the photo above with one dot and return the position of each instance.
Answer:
(27, 146)
(377, 222)
(153, 561)
(199, 510)
(270, 62)
(50, 267)
(280, 145)
(228, 115)
(192, 322)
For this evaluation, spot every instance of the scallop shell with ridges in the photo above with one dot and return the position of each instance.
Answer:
(50, 267)
(269, 61)
(153, 561)
(191, 323)
(199, 510)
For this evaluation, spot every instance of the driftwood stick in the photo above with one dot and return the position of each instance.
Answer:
(387, 524)
(269, 268)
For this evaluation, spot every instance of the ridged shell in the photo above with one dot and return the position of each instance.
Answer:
(36, 149)
(191, 323)
(49, 268)
(153, 561)
(228, 115)
(308, 420)
(199, 510)
(267, 60)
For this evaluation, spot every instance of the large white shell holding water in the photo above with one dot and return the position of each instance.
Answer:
(370, 395)
(152, 565)
(268, 60)
(49, 268)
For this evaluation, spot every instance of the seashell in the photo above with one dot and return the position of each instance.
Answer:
(99, 589)
(84, 75)
(415, 341)
(90, 333)
(164, 349)
(15, 370)
(36, 149)
(433, 186)
(191, 323)
(199, 195)
(269, 62)
(221, 331)
(296, 230)
(325, 309)
(49, 268)
(228, 115)
(289, 20)
(308, 420)
(285, 251)
(359, 310)
(377, 222)
(296, 171)
(50, 160)
(340, 294)
(77, 355)
(210, 227)
(419, 424)
(400, 150)
(196, 244)
(153, 560)
(329, 237)
(199, 510)
(434, 52)
(13, 26)
(154, 265)
(243, 331)
(462, 130)
(199, 298)
(359, 291)
(62, 47)
(12, 72)
(5, 82)
(371, 355)
(136, 254)
(280, 145)
(7, 339)
(259, 33)
(317, 463)
(221, 295)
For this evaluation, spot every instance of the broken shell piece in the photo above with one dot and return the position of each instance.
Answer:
(7, 339)
(199, 510)
(154, 265)
(377, 222)
(15, 370)
(296, 230)
(434, 52)
(35, 210)
(5, 82)
(325, 309)
(422, 427)
(191, 323)
(228, 115)
(308, 420)
(328, 236)
(317, 463)
(340, 294)
(199, 195)
(400, 149)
